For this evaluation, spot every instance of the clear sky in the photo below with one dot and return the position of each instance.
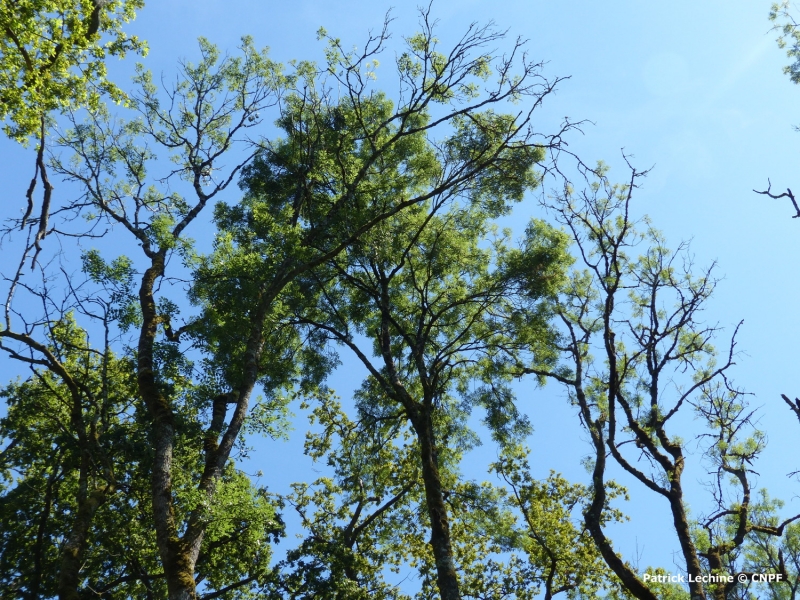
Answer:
(694, 89)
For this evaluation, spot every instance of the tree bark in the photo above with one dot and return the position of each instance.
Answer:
(681, 523)
(446, 577)
(72, 553)
(175, 555)
(593, 518)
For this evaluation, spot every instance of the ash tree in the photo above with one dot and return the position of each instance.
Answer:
(351, 158)
(637, 354)
(426, 308)
(109, 163)
(52, 59)
(349, 165)
(69, 525)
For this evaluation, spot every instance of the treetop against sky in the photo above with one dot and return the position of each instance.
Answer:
(389, 257)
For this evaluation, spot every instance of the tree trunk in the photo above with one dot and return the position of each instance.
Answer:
(72, 553)
(683, 530)
(593, 519)
(446, 577)
(175, 556)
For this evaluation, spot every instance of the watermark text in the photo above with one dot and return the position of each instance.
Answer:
(719, 578)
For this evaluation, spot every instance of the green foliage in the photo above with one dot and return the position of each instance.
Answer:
(426, 290)
(435, 279)
(371, 218)
(368, 521)
(562, 557)
(215, 98)
(52, 57)
(242, 526)
(357, 519)
(43, 471)
(766, 553)
(788, 38)
(116, 279)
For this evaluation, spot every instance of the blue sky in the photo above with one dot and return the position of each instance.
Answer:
(693, 89)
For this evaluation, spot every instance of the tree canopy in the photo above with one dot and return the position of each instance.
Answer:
(369, 229)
